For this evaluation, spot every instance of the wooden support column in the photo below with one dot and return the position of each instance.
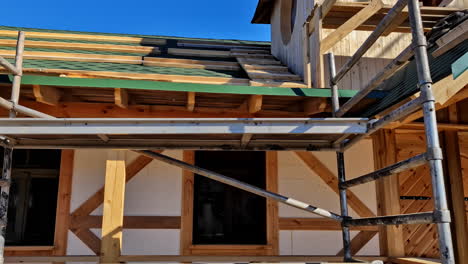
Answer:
(316, 56)
(456, 191)
(62, 219)
(272, 206)
(112, 220)
(186, 224)
(388, 193)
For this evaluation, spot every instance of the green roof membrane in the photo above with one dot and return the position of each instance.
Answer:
(184, 87)
(460, 66)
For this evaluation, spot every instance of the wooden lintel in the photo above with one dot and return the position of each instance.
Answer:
(47, 94)
(255, 103)
(191, 101)
(121, 97)
(130, 222)
(113, 211)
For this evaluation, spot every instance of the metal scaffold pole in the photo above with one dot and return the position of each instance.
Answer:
(340, 164)
(5, 181)
(434, 151)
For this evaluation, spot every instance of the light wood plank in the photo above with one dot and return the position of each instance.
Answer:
(121, 97)
(191, 101)
(272, 206)
(86, 37)
(255, 103)
(113, 211)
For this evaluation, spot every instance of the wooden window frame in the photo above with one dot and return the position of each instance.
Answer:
(186, 231)
(62, 215)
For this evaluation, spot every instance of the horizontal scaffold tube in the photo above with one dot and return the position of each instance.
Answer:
(380, 29)
(7, 65)
(22, 109)
(406, 219)
(387, 72)
(393, 116)
(401, 166)
(241, 185)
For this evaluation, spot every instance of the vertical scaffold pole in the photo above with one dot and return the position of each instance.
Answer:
(5, 193)
(15, 89)
(8, 151)
(432, 137)
(340, 163)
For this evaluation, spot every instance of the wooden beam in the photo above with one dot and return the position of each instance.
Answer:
(82, 46)
(272, 206)
(134, 76)
(113, 211)
(314, 106)
(354, 22)
(107, 110)
(174, 222)
(388, 193)
(191, 101)
(97, 198)
(413, 261)
(186, 225)
(317, 63)
(62, 218)
(121, 97)
(321, 224)
(71, 56)
(359, 241)
(47, 94)
(454, 37)
(306, 55)
(456, 190)
(326, 7)
(85, 37)
(92, 241)
(446, 92)
(130, 222)
(191, 64)
(200, 53)
(397, 22)
(255, 103)
(331, 180)
(190, 259)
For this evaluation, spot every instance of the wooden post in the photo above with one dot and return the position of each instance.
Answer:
(388, 193)
(272, 206)
(316, 56)
(62, 219)
(186, 224)
(456, 191)
(112, 220)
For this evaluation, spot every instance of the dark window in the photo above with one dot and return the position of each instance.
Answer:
(33, 197)
(224, 214)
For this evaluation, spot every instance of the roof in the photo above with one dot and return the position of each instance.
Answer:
(263, 12)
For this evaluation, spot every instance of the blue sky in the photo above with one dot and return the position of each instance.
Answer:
(224, 19)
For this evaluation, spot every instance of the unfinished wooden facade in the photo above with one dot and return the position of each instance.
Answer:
(95, 94)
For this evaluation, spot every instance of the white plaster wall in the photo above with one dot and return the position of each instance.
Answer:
(298, 181)
(156, 190)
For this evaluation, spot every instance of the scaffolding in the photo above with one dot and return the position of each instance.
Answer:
(337, 134)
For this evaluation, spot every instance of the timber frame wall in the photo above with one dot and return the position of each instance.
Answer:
(117, 174)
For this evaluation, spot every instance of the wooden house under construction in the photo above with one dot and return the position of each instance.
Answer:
(344, 139)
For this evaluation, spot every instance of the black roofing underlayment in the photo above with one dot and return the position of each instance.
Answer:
(404, 83)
